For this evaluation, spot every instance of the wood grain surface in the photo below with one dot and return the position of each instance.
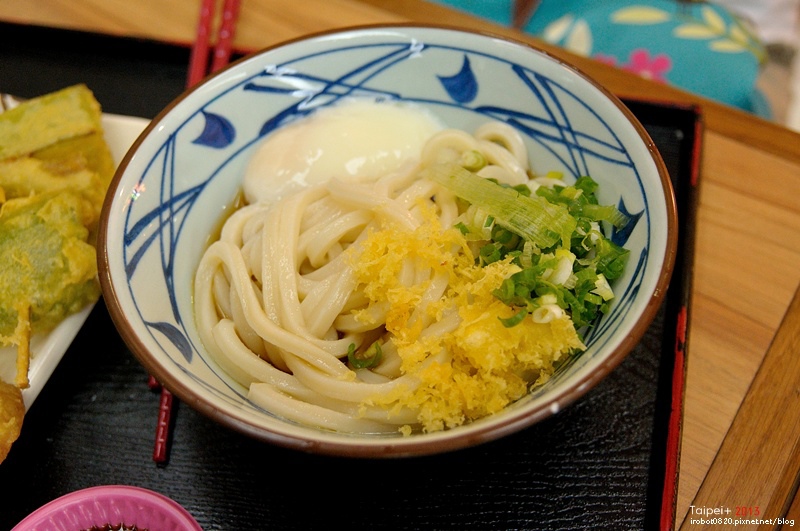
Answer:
(748, 224)
(756, 472)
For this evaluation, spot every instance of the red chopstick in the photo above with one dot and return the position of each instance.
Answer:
(198, 69)
(198, 61)
(224, 48)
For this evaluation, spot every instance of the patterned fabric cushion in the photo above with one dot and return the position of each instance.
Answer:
(698, 46)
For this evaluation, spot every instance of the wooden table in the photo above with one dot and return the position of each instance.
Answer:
(747, 265)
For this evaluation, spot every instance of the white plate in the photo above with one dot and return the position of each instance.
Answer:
(48, 349)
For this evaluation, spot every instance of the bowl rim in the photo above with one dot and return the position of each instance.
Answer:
(415, 445)
(90, 505)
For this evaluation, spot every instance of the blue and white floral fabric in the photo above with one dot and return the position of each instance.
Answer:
(698, 46)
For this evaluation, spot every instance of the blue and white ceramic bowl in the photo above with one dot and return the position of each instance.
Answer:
(185, 170)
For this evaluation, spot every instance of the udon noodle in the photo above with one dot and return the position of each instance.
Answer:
(296, 291)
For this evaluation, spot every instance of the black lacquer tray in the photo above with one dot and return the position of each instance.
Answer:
(609, 461)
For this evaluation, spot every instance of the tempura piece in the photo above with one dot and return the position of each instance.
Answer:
(45, 260)
(41, 122)
(55, 167)
(53, 143)
(23, 338)
(12, 412)
(12, 404)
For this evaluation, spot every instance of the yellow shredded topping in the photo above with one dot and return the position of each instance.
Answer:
(486, 366)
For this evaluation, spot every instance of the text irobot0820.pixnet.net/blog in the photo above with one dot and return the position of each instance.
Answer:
(733, 516)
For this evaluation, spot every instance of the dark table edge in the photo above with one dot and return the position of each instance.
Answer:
(672, 384)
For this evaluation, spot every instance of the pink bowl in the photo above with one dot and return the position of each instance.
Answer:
(111, 504)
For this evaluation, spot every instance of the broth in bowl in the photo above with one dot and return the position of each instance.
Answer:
(410, 282)
(458, 271)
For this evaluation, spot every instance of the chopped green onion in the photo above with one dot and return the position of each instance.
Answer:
(490, 253)
(505, 237)
(608, 213)
(364, 360)
(534, 218)
(603, 288)
(611, 258)
(526, 256)
(581, 201)
(592, 298)
(515, 319)
(473, 160)
(587, 184)
(554, 235)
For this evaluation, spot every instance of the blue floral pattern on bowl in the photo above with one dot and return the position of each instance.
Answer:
(182, 177)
